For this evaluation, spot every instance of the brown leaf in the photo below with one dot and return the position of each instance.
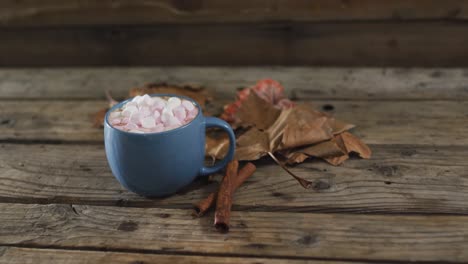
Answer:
(276, 130)
(296, 157)
(98, 118)
(196, 93)
(257, 112)
(327, 149)
(252, 145)
(269, 90)
(337, 160)
(216, 145)
(339, 127)
(349, 143)
(354, 144)
(306, 126)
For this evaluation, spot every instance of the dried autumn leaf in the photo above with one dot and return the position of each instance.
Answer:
(326, 149)
(257, 112)
(306, 126)
(335, 161)
(269, 90)
(276, 130)
(216, 145)
(348, 143)
(339, 127)
(296, 132)
(296, 157)
(252, 145)
(354, 144)
(338, 159)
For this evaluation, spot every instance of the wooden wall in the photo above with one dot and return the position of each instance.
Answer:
(242, 32)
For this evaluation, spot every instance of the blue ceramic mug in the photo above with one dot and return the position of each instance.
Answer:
(160, 164)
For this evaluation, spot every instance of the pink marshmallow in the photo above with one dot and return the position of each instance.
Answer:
(158, 128)
(131, 126)
(115, 121)
(188, 105)
(179, 113)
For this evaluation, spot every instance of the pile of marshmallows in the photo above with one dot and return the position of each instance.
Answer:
(146, 114)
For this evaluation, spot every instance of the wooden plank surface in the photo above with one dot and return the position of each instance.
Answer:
(408, 203)
(17, 255)
(29, 13)
(398, 179)
(267, 234)
(300, 82)
(378, 121)
(427, 44)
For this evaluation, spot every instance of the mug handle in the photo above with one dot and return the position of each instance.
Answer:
(216, 122)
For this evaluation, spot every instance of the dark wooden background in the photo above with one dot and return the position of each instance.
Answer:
(422, 33)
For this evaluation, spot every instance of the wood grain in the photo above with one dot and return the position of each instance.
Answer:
(17, 255)
(267, 234)
(29, 13)
(306, 83)
(398, 179)
(377, 121)
(436, 44)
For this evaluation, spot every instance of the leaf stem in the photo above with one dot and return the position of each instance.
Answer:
(303, 182)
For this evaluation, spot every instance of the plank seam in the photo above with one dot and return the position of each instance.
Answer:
(189, 253)
(120, 203)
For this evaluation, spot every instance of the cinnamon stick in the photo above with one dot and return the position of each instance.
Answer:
(204, 205)
(224, 200)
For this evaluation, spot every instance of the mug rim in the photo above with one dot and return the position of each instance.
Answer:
(120, 104)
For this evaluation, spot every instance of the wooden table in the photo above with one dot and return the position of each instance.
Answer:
(60, 203)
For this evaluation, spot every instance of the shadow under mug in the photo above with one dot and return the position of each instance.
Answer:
(160, 164)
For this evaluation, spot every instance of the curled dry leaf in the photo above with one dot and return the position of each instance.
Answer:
(334, 151)
(296, 157)
(326, 149)
(354, 144)
(272, 130)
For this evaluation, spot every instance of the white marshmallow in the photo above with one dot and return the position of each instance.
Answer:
(128, 111)
(148, 100)
(173, 102)
(148, 122)
(166, 114)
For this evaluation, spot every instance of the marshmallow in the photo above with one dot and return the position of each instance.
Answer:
(179, 113)
(148, 122)
(146, 114)
(188, 105)
(173, 102)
